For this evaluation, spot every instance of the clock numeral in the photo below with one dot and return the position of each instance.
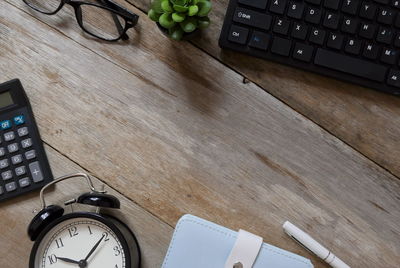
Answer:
(90, 230)
(59, 243)
(52, 259)
(117, 251)
(73, 231)
(105, 234)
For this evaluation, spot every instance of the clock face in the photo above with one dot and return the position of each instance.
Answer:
(80, 243)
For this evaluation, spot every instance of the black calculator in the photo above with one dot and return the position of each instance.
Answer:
(23, 162)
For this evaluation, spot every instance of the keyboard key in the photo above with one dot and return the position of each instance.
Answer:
(36, 172)
(367, 10)
(259, 40)
(350, 65)
(261, 4)
(397, 40)
(16, 159)
(20, 170)
(295, 10)
(315, 2)
(371, 51)
(281, 46)
(313, 15)
(19, 120)
(6, 124)
(353, 46)
(23, 131)
(303, 52)
(331, 20)
(4, 163)
(350, 6)
(252, 18)
(278, 6)
(26, 143)
(367, 30)
(396, 3)
(30, 154)
(394, 78)
(2, 151)
(386, 15)
(349, 25)
(382, 1)
(24, 182)
(11, 186)
(335, 41)
(12, 148)
(281, 26)
(238, 34)
(6, 175)
(332, 4)
(299, 31)
(389, 56)
(9, 136)
(385, 35)
(317, 36)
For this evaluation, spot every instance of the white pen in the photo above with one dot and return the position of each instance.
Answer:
(309, 243)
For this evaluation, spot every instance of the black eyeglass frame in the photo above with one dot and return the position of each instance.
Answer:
(131, 19)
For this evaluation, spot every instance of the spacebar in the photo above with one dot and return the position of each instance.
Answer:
(350, 65)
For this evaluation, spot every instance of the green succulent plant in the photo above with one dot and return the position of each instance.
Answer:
(180, 16)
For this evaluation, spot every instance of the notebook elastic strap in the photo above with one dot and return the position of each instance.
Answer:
(245, 250)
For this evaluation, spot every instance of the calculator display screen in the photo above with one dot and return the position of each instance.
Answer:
(5, 99)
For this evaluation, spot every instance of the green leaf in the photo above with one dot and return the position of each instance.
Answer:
(204, 8)
(153, 15)
(189, 25)
(166, 6)
(204, 22)
(178, 17)
(166, 21)
(176, 33)
(193, 10)
(179, 8)
(156, 6)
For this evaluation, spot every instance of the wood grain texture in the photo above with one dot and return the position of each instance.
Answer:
(178, 132)
(367, 120)
(15, 215)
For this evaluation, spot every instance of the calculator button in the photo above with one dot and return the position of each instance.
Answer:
(2, 151)
(4, 163)
(6, 124)
(24, 182)
(23, 131)
(9, 136)
(12, 186)
(16, 159)
(12, 147)
(26, 143)
(30, 154)
(36, 172)
(6, 175)
(19, 120)
(20, 171)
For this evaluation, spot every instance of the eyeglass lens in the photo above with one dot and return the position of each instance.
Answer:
(45, 6)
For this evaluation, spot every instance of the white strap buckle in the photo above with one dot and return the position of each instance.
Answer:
(245, 250)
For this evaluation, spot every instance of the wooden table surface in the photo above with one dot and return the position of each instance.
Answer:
(183, 127)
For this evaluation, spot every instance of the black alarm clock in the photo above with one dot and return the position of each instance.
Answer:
(82, 239)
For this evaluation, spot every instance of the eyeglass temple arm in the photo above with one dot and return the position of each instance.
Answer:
(116, 21)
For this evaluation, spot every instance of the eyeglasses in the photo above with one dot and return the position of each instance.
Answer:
(106, 20)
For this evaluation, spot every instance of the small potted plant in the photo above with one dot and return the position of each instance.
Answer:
(180, 18)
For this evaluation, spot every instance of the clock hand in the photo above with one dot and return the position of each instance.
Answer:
(67, 260)
(94, 248)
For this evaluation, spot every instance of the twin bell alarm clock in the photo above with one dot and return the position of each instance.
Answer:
(82, 239)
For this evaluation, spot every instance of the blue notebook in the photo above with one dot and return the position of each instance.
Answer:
(198, 243)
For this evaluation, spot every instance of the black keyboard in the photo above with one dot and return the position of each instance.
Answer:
(355, 41)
